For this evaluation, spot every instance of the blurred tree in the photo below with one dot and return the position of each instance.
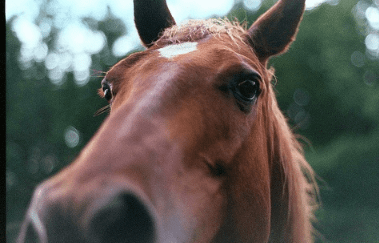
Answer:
(342, 113)
(41, 112)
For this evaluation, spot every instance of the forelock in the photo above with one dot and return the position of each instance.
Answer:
(194, 30)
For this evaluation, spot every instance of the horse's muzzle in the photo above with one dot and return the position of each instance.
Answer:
(123, 218)
(116, 217)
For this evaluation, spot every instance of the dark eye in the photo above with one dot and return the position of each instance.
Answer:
(246, 91)
(107, 91)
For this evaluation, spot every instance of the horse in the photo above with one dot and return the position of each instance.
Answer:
(195, 147)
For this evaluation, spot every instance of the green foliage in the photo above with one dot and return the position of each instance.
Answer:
(349, 168)
(331, 101)
(343, 112)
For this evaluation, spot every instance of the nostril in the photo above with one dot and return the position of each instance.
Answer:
(124, 219)
(31, 233)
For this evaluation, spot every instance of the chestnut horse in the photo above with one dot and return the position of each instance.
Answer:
(195, 148)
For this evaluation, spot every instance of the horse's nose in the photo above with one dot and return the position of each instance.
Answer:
(121, 218)
(114, 215)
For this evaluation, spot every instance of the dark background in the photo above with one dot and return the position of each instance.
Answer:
(327, 85)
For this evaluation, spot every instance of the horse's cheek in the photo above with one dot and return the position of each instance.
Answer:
(201, 203)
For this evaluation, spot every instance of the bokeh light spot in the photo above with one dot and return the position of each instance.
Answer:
(311, 4)
(49, 163)
(52, 60)
(252, 5)
(372, 42)
(27, 32)
(71, 137)
(372, 15)
(81, 61)
(40, 52)
(125, 44)
(81, 77)
(56, 76)
(301, 97)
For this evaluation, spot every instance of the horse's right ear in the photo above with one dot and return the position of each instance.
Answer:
(273, 32)
(151, 18)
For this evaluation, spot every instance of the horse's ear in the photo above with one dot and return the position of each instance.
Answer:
(151, 18)
(273, 32)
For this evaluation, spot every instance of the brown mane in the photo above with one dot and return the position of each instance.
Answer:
(195, 30)
(292, 177)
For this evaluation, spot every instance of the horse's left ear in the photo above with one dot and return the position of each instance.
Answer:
(151, 18)
(273, 32)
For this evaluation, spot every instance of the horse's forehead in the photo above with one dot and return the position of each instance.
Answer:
(192, 57)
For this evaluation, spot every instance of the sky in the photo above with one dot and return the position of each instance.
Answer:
(193, 8)
(77, 42)
(67, 13)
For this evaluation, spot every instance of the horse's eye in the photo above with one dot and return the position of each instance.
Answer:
(247, 91)
(107, 91)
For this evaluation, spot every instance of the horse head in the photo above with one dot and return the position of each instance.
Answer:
(195, 148)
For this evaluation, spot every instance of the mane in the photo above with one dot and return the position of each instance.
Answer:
(194, 30)
(294, 180)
